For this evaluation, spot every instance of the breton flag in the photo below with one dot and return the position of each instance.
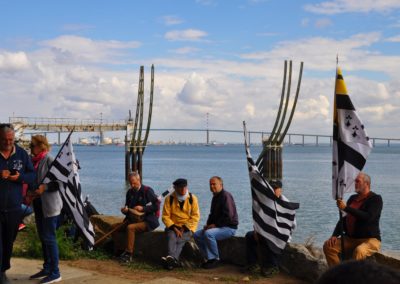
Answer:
(273, 218)
(65, 170)
(351, 144)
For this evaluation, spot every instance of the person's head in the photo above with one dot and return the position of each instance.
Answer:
(7, 137)
(363, 183)
(216, 184)
(39, 144)
(360, 271)
(277, 187)
(134, 180)
(180, 186)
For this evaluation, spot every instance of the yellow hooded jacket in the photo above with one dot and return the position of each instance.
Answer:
(188, 216)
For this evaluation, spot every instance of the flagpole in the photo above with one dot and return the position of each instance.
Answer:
(341, 227)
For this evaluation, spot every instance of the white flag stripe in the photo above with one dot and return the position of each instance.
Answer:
(270, 220)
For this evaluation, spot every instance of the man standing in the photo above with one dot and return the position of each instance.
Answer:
(269, 259)
(361, 224)
(141, 208)
(221, 223)
(181, 216)
(15, 168)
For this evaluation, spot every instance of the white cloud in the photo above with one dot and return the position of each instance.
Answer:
(87, 49)
(172, 20)
(355, 6)
(323, 23)
(185, 50)
(394, 39)
(185, 35)
(12, 61)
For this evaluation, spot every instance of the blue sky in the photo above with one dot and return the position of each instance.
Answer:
(78, 59)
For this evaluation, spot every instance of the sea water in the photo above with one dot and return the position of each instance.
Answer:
(307, 180)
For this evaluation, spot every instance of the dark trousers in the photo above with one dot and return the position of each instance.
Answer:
(9, 222)
(268, 257)
(39, 219)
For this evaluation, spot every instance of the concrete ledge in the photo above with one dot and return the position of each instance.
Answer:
(297, 260)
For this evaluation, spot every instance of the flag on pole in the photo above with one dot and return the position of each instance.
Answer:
(273, 218)
(351, 144)
(65, 170)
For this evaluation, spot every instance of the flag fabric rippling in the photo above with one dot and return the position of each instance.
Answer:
(273, 218)
(351, 144)
(65, 170)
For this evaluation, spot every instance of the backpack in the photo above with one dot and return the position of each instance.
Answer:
(171, 199)
(157, 213)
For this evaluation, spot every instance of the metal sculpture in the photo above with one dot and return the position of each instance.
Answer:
(270, 159)
(138, 142)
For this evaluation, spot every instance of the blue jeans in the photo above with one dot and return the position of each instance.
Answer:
(26, 210)
(50, 244)
(207, 240)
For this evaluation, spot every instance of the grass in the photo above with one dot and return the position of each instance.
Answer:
(28, 245)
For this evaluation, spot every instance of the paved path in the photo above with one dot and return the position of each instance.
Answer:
(22, 268)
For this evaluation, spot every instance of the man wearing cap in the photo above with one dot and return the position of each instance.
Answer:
(141, 207)
(181, 216)
(269, 259)
(221, 223)
(15, 169)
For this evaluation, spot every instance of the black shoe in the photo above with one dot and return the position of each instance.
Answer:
(250, 268)
(125, 257)
(270, 271)
(42, 273)
(210, 264)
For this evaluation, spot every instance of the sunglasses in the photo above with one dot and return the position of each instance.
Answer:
(31, 145)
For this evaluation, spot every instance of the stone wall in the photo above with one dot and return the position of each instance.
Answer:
(306, 263)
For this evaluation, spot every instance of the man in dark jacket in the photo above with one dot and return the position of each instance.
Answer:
(141, 209)
(361, 224)
(15, 168)
(221, 223)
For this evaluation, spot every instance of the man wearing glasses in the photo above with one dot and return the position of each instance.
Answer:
(15, 168)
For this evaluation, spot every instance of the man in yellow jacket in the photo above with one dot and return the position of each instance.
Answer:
(181, 216)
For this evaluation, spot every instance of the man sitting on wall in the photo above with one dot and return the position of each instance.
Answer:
(181, 216)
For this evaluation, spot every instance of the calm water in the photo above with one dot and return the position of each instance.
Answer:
(307, 179)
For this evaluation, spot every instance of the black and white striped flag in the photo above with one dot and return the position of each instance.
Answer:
(273, 218)
(65, 170)
(351, 144)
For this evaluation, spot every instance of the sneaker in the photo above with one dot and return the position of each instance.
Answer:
(270, 272)
(171, 262)
(51, 279)
(42, 273)
(210, 264)
(21, 226)
(125, 257)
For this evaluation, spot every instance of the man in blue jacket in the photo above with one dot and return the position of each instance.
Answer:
(221, 223)
(15, 168)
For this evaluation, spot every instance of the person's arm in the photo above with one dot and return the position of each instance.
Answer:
(373, 208)
(28, 175)
(194, 216)
(229, 210)
(166, 214)
(152, 206)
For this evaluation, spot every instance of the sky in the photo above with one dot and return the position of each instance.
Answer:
(81, 59)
